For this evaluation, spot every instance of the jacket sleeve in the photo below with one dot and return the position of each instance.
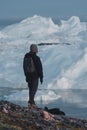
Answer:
(24, 65)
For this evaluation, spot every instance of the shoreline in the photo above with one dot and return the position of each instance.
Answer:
(73, 108)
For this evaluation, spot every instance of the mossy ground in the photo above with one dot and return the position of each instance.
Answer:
(20, 122)
(19, 118)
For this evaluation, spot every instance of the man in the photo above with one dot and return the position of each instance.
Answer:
(32, 78)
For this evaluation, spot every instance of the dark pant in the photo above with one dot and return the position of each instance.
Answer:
(33, 86)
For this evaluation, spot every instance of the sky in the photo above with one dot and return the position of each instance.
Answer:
(49, 8)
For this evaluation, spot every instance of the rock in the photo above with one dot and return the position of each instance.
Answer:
(23, 118)
(55, 111)
(51, 43)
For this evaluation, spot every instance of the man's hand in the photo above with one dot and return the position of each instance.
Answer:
(41, 80)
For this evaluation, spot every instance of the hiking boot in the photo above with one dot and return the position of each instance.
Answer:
(34, 106)
(29, 106)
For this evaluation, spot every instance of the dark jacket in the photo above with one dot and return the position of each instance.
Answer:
(37, 63)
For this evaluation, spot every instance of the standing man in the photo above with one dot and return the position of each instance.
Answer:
(33, 71)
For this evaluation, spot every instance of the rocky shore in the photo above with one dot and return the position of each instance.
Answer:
(16, 117)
